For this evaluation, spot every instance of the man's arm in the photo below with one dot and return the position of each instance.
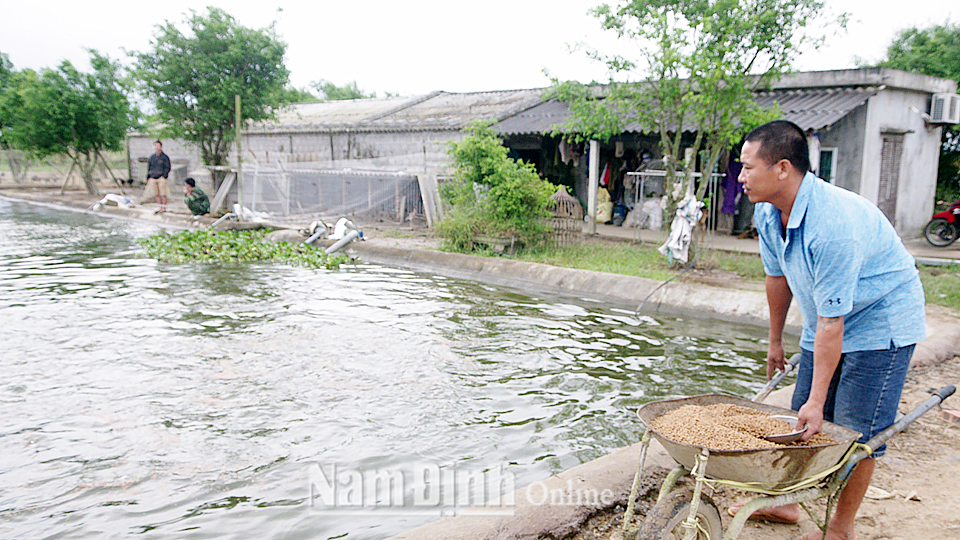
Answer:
(165, 166)
(779, 297)
(827, 348)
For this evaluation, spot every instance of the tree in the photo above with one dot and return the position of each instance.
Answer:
(193, 78)
(934, 51)
(331, 92)
(298, 95)
(64, 111)
(16, 160)
(700, 63)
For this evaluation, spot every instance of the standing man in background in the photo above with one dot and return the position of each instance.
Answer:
(158, 169)
(858, 290)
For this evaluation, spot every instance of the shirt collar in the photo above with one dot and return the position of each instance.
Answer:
(800, 203)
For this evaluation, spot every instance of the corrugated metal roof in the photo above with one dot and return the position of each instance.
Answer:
(455, 110)
(438, 110)
(817, 109)
(331, 114)
(541, 118)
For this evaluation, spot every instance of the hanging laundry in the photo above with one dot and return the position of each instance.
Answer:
(566, 155)
(605, 177)
(677, 245)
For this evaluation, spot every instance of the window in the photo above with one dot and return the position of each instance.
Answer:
(828, 165)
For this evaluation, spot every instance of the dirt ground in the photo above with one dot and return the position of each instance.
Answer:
(920, 473)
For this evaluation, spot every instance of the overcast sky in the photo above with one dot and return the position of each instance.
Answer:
(411, 47)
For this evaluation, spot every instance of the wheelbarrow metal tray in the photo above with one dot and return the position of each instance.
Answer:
(775, 468)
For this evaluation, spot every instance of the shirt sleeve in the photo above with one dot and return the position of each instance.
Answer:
(836, 268)
(165, 166)
(768, 252)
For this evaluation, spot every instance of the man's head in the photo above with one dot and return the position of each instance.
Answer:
(158, 146)
(188, 185)
(782, 139)
(775, 158)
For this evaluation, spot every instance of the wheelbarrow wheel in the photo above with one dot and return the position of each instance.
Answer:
(665, 519)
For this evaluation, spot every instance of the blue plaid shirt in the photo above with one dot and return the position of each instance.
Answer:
(842, 258)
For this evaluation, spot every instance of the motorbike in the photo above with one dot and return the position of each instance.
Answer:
(944, 227)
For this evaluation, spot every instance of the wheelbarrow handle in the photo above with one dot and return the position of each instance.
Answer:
(897, 427)
(773, 382)
(910, 417)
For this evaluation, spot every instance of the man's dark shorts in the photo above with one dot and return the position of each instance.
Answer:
(865, 390)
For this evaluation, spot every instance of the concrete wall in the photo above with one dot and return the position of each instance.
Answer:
(184, 157)
(847, 136)
(889, 112)
(858, 138)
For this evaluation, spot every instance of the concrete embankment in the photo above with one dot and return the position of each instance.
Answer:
(534, 515)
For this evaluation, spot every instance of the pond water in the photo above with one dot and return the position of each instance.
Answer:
(197, 401)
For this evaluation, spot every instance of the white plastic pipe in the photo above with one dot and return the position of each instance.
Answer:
(347, 238)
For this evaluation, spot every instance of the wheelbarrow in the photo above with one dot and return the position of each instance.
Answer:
(781, 475)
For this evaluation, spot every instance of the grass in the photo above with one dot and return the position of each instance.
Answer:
(641, 260)
(941, 284)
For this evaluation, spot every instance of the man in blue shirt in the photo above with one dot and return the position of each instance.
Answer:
(858, 290)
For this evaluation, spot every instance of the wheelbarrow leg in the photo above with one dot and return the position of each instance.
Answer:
(632, 501)
(699, 471)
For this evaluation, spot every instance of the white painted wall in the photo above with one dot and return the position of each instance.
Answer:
(889, 111)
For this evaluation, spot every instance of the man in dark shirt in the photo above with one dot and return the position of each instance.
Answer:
(194, 197)
(158, 169)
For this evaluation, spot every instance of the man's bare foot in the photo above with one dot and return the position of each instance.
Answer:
(817, 535)
(789, 514)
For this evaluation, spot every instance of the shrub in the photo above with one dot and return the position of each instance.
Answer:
(491, 194)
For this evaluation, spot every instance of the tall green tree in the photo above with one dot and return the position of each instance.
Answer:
(64, 111)
(193, 76)
(699, 63)
(7, 99)
(934, 51)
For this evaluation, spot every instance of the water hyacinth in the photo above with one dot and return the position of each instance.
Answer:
(208, 246)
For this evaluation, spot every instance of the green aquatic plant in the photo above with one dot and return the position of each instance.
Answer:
(208, 246)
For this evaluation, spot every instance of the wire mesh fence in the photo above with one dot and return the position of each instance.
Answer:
(303, 190)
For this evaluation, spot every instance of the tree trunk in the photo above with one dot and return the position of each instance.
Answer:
(19, 164)
(86, 164)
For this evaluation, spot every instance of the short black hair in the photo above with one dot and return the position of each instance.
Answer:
(190, 182)
(158, 141)
(782, 139)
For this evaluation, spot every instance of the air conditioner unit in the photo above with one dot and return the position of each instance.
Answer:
(945, 109)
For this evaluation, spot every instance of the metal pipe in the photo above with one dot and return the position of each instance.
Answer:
(765, 391)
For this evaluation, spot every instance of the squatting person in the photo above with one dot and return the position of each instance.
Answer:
(194, 197)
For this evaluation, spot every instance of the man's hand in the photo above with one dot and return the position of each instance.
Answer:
(811, 416)
(776, 359)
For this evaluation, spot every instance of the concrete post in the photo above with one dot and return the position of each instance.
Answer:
(593, 186)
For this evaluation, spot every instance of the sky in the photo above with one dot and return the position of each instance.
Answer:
(414, 47)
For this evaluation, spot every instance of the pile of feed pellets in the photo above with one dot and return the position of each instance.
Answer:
(724, 426)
